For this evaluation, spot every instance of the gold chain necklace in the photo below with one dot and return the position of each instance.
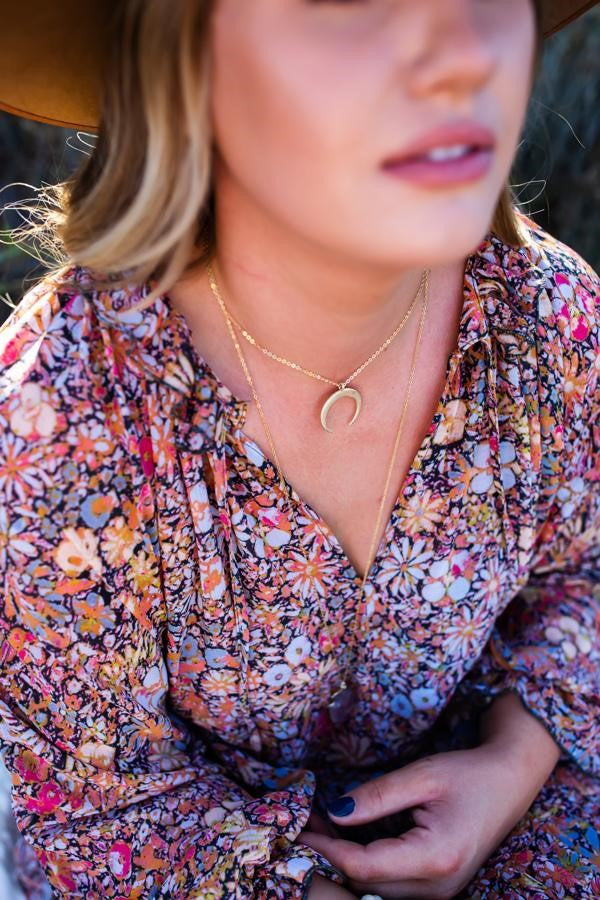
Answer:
(341, 702)
(342, 390)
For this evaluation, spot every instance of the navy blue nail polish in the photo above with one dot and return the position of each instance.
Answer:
(341, 806)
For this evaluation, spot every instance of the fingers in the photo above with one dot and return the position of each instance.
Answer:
(411, 785)
(409, 856)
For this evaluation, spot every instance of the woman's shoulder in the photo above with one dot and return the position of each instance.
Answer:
(37, 360)
(42, 368)
(67, 331)
(75, 357)
(58, 357)
(24, 329)
(45, 329)
(568, 284)
(565, 289)
(71, 425)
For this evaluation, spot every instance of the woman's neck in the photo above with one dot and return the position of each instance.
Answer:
(328, 312)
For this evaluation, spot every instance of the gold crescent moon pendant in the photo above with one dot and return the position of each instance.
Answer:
(343, 392)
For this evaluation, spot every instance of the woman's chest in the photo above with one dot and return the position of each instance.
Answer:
(353, 480)
(276, 613)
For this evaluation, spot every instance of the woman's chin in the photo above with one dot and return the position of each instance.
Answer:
(422, 247)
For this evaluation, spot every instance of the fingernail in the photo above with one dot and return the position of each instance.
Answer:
(341, 806)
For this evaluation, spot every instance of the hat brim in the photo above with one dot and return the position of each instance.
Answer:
(51, 56)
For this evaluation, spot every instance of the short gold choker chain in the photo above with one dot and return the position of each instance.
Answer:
(342, 389)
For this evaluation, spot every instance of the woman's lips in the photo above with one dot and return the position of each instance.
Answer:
(470, 166)
(451, 153)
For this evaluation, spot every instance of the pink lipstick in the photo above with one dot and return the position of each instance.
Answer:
(450, 154)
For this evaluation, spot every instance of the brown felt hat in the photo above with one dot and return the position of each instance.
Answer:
(51, 53)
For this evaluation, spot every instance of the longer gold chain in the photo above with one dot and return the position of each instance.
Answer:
(282, 482)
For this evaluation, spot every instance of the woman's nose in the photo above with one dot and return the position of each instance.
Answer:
(453, 52)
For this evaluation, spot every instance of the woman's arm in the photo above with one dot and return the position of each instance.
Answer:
(117, 796)
(545, 645)
(528, 745)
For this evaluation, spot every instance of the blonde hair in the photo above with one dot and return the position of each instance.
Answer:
(141, 208)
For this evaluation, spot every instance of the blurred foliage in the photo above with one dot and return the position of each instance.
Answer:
(31, 154)
(559, 185)
(560, 150)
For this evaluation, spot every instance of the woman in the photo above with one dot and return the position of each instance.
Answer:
(206, 641)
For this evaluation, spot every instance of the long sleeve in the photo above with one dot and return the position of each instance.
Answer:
(117, 795)
(545, 646)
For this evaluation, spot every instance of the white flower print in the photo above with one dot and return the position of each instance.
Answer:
(297, 650)
(571, 635)
(277, 675)
(408, 559)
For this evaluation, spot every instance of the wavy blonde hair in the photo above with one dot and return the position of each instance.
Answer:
(141, 207)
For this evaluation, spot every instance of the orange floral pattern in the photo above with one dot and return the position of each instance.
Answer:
(167, 649)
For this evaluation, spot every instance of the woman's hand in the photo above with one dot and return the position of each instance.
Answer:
(463, 802)
(323, 888)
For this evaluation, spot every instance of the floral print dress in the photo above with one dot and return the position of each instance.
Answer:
(170, 632)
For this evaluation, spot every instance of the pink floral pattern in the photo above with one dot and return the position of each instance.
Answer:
(164, 656)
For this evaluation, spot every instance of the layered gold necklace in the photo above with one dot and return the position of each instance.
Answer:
(342, 389)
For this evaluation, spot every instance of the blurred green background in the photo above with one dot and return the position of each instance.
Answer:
(556, 165)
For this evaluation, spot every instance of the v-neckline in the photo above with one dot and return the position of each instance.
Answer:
(244, 441)
(237, 411)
